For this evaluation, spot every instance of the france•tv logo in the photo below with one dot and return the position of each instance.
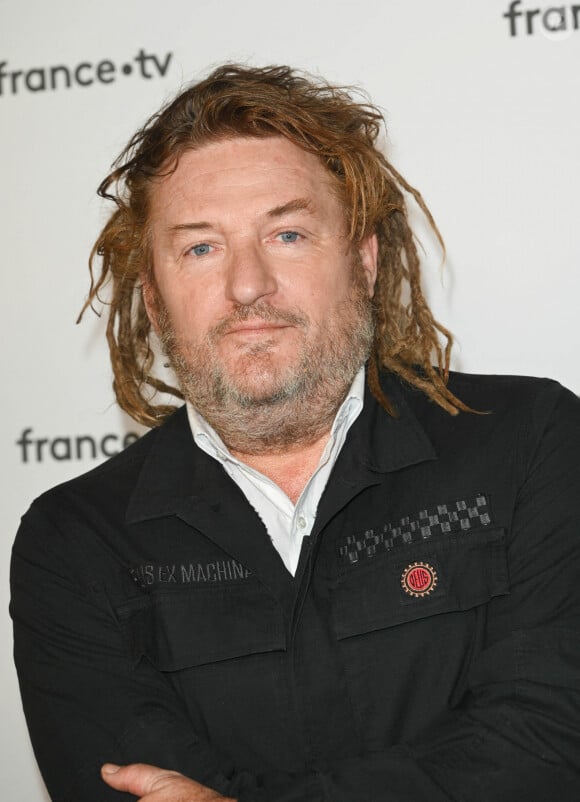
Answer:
(555, 21)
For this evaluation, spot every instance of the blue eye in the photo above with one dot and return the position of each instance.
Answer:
(202, 249)
(289, 236)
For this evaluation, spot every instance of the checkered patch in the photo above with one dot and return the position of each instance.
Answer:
(457, 516)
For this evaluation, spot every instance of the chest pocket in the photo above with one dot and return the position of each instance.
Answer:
(222, 651)
(409, 623)
(192, 627)
(450, 573)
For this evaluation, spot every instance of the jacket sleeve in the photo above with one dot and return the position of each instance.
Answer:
(515, 735)
(84, 700)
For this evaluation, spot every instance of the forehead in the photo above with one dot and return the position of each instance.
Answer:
(242, 172)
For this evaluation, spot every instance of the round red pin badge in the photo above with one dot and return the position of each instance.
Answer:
(419, 579)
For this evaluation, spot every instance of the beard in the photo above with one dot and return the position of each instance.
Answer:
(260, 404)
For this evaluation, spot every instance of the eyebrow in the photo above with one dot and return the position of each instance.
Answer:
(188, 227)
(295, 205)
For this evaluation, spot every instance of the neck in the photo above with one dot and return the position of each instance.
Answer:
(290, 468)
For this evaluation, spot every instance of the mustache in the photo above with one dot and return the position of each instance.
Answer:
(260, 311)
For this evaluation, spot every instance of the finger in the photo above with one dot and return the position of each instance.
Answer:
(139, 779)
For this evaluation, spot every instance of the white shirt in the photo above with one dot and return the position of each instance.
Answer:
(287, 524)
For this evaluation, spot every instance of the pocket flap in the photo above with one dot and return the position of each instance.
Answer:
(189, 628)
(452, 573)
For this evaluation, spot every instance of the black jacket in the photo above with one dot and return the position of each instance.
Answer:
(427, 650)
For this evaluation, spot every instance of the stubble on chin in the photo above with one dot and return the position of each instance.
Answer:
(255, 374)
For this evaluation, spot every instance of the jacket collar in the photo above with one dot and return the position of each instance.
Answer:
(176, 471)
(170, 473)
(177, 478)
(376, 444)
(383, 443)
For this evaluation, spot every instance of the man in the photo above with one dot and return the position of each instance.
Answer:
(338, 573)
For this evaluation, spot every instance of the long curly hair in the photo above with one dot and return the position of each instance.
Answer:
(341, 128)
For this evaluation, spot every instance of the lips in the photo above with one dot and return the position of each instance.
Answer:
(257, 327)
(257, 320)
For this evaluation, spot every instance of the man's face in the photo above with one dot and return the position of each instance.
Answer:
(254, 275)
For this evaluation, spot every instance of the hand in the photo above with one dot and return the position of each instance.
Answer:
(152, 784)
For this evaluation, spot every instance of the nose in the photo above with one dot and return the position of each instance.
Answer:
(249, 275)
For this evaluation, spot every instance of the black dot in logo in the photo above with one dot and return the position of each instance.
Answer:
(127, 69)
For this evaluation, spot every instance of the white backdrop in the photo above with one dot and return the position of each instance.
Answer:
(483, 117)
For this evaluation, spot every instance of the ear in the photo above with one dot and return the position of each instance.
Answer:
(369, 251)
(150, 299)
